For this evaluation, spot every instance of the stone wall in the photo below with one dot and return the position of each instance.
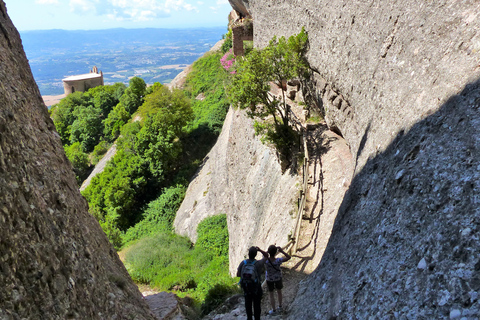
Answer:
(55, 260)
(399, 80)
(242, 178)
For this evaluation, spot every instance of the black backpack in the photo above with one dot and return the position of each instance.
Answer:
(249, 278)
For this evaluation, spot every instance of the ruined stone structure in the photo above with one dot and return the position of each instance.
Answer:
(240, 21)
(242, 31)
(55, 260)
(83, 82)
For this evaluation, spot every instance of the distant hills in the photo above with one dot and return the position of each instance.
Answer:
(153, 54)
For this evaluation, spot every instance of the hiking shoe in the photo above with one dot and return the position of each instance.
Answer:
(279, 310)
(271, 312)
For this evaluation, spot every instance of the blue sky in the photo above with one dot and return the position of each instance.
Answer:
(105, 14)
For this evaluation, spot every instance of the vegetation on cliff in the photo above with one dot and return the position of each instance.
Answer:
(282, 60)
(162, 135)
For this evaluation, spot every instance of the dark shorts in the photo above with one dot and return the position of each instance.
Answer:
(274, 285)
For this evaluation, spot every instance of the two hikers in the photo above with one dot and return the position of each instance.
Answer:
(249, 272)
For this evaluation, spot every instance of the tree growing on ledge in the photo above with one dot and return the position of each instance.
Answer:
(282, 60)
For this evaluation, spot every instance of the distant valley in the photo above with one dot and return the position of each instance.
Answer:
(156, 55)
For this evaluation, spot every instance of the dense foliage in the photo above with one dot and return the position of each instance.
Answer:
(280, 61)
(161, 137)
(170, 262)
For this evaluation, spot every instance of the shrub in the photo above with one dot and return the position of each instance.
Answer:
(213, 235)
(159, 215)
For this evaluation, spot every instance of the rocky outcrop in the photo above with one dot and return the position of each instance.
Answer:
(241, 177)
(399, 80)
(55, 260)
(241, 6)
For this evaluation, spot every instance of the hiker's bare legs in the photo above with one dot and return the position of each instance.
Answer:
(280, 297)
(272, 299)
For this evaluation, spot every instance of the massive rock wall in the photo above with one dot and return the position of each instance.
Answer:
(399, 79)
(55, 261)
(241, 177)
(381, 66)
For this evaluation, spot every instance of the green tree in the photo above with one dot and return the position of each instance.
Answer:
(133, 96)
(63, 114)
(87, 128)
(116, 119)
(279, 62)
(79, 161)
(159, 139)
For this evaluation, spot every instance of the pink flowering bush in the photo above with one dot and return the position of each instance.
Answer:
(228, 60)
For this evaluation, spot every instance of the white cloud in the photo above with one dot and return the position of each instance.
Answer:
(220, 2)
(46, 1)
(131, 10)
(81, 6)
(200, 3)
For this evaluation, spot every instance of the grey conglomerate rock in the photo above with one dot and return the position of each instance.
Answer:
(399, 80)
(55, 260)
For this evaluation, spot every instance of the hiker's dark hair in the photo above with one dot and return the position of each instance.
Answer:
(272, 250)
(252, 253)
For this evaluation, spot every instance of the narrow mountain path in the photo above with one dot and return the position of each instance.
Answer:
(330, 172)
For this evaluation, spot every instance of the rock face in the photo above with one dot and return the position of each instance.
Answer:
(241, 177)
(55, 261)
(399, 80)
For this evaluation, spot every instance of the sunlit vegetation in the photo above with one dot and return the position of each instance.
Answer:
(161, 137)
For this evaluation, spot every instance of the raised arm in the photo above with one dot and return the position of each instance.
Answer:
(265, 254)
(287, 256)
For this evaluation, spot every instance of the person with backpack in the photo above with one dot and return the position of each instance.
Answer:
(273, 276)
(249, 272)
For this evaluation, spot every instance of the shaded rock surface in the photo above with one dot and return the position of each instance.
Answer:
(399, 80)
(55, 260)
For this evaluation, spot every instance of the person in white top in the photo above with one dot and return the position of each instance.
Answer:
(273, 275)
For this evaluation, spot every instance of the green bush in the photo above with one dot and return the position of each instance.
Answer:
(79, 161)
(213, 235)
(170, 262)
(159, 215)
(99, 151)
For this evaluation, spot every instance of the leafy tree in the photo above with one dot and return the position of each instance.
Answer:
(279, 62)
(213, 235)
(116, 119)
(118, 90)
(87, 128)
(133, 96)
(159, 139)
(63, 114)
(79, 161)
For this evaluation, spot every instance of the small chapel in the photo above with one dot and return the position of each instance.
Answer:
(83, 82)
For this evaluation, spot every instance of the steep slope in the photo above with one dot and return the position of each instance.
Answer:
(399, 80)
(55, 261)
